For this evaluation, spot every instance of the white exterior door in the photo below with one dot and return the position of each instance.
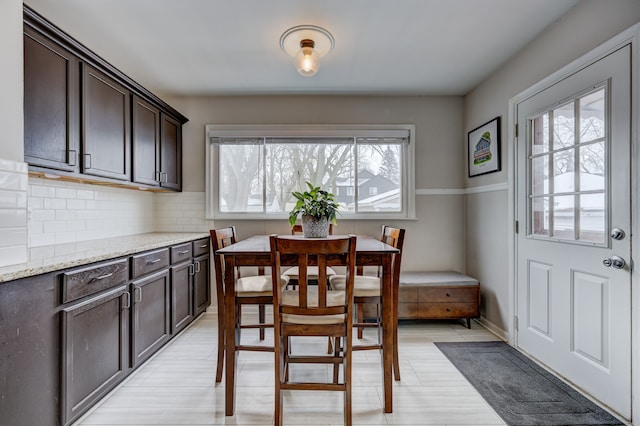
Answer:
(573, 192)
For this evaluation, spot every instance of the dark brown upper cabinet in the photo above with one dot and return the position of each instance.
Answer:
(157, 147)
(146, 142)
(88, 121)
(106, 124)
(170, 153)
(50, 110)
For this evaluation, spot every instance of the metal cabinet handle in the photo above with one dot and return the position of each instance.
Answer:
(204, 246)
(192, 269)
(151, 262)
(128, 304)
(72, 156)
(87, 161)
(183, 252)
(156, 176)
(164, 177)
(197, 267)
(137, 293)
(102, 277)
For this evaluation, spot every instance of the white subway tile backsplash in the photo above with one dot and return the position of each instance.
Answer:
(13, 254)
(13, 166)
(10, 199)
(76, 204)
(55, 203)
(13, 237)
(73, 212)
(36, 240)
(12, 218)
(41, 190)
(63, 192)
(13, 212)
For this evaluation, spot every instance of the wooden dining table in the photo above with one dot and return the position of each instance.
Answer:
(255, 251)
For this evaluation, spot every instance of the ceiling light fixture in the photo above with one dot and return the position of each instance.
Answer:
(307, 44)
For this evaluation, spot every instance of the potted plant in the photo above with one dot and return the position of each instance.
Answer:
(317, 209)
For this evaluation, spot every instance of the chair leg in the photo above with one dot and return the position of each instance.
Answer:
(261, 310)
(348, 421)
(279, 353)
(221, 346)
(360, 318)
(396, 359)
(336, 367)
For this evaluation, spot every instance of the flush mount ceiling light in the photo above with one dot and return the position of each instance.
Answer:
(307, 44)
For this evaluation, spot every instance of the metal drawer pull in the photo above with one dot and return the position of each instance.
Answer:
(135, 291)
(151, 262)
(128, 305)
(87, 161)
(102, 277)
(192, 269)
(197, 267)
(204, 246)
(183, 252)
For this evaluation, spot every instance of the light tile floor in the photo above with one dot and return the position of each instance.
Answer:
(177, 386)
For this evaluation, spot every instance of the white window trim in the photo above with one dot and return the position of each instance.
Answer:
(221, 130)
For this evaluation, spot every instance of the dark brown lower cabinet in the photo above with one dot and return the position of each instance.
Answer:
(181, 296)
(150, 315)
(69, 337)
(201, 284)
(29, 352)
(95, 346)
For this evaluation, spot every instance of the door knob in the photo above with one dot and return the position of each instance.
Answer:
(615, 262)
(617, 234)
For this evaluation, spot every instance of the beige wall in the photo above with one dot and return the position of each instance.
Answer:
(588, 24)
(436, 239)
(11, 139)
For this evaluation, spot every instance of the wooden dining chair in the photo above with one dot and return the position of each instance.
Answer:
(367, 289)
(313, 310)
(312, 272)
(250, 290)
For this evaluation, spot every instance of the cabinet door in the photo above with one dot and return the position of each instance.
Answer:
(182, 296)
(151, 297)
(170, 153)
(51, 124)
(95, 346)
(146, 142)
(201, 284)
(106, 124)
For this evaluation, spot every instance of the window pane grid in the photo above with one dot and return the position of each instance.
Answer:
(567, 187)
(257, 175)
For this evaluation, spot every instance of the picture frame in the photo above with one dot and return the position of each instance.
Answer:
(484, 148)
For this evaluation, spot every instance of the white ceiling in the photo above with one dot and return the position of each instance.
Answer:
(231, 47)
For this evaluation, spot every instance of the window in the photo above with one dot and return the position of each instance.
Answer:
(252, 170)
(567, 192)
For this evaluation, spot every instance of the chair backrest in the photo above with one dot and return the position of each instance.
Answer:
(312, 300)
(221, 238)
(297, 229)
(395, 238)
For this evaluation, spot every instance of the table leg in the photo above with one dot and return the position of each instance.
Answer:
(230, 330)
(387, 332)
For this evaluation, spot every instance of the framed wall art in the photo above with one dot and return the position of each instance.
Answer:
(484, 148)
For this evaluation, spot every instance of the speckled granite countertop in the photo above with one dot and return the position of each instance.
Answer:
(61, 256)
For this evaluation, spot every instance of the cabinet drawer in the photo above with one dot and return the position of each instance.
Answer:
(85, 281)
(407, 294)
(150, 261)
(181, 253)
(448, 294)
(201, 247)
(447, 310)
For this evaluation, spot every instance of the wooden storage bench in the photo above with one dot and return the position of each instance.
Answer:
(438, 295)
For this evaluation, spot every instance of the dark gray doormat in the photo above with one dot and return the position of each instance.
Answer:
(519, 390)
